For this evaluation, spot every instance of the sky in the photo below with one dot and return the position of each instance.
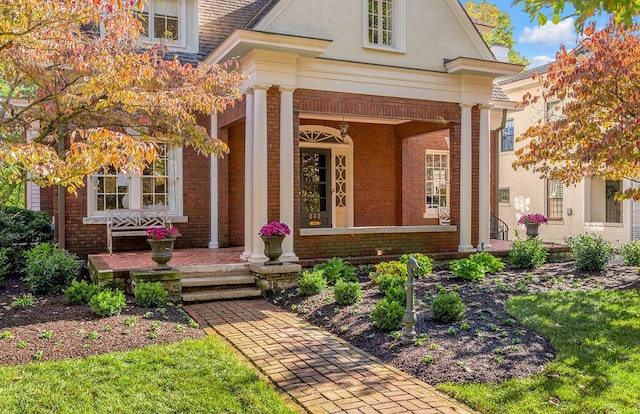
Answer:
(538, 43)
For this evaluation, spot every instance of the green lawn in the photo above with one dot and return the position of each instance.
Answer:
(597, 368)
(198, 376)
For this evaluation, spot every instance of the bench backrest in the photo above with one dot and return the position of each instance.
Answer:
(137, 219)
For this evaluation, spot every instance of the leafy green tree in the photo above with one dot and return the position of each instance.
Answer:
(502, 32)
(598, 131)
(542, 10)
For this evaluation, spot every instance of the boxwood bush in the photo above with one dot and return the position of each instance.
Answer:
(347, 293)
(49, 269)
(448, 307)
(528, 253)
(387, 315)
(590, 251)
(631, 253)
(312, 283)
(150, 294)
(80, 293)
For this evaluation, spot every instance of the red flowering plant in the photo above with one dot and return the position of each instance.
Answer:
(275, 228)
(533, 218)
(162, 233)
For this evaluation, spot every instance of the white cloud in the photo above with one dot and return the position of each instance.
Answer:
(534, 62)
(550, 34)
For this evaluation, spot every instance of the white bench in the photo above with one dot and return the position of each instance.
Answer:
(122, 223)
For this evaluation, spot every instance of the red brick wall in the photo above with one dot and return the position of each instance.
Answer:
(236, 186)
(273, 154)
(378, 178)
(86, 239)
(413, 175)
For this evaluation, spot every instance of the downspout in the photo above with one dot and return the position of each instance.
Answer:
(61, 207)
(496, 166)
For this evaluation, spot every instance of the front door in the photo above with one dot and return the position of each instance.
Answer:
(315, 182)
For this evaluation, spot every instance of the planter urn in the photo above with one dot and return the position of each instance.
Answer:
(161, 252)
(273, 249)
(532, 229)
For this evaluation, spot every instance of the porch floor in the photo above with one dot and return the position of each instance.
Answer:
(124, 261)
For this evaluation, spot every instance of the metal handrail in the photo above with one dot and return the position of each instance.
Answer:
(499, 229)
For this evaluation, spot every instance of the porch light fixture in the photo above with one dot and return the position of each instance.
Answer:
(344, 127)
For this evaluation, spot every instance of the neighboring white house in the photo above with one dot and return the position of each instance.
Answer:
(586, 207)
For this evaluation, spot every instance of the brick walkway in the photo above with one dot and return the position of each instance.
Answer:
(319, 371)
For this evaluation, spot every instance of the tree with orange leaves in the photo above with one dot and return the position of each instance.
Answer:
(598, 133)
(76, 80)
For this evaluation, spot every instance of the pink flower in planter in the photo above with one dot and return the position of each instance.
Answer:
(275, 228)
(534, 218)
(162, 233)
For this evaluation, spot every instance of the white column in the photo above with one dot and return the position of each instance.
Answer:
(465, 179)
(484, 187)
(213, 243)
(286, 169)
(260, 170)
(248, 176)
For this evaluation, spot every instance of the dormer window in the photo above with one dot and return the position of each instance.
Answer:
(384, 24)
(173, 22)
(161, 19)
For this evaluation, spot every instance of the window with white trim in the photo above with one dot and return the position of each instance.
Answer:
(158, 187)
(384, 24)
(161, 19)
(436, 181)
(173, 22)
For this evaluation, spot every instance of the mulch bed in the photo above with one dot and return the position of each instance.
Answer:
(75, 331)
(493, 348)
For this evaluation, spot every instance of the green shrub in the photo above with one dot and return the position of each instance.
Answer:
(490, 263)
(389, 268)
(467, 269)
(108, 302)
(80, 293)
(49, 269)
(4, 263)
(21, 229)
(312, 283)
(448, 307)
(387, 315)
(347, 293)
(590, 251)
(337, 269)
(527, 253)
(387, 281)
(425, 263)
(150, 294)
(631, 253)
(397, 293)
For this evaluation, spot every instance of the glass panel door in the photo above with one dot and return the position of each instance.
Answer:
(315, 182)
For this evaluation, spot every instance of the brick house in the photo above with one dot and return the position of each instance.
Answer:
(363, 121)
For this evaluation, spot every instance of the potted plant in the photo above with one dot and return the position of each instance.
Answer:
(272, 235)
(161, 240)
(532, 222)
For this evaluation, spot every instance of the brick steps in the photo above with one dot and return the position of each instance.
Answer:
(204, 283)
(221, 294)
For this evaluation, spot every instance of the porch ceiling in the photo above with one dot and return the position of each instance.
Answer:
(413, 128)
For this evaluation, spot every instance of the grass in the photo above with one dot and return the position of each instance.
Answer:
(597, 367)
(195, 376)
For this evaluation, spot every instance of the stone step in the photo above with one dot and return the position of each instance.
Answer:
(198, 281)
(213, 270)
(208, 295)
